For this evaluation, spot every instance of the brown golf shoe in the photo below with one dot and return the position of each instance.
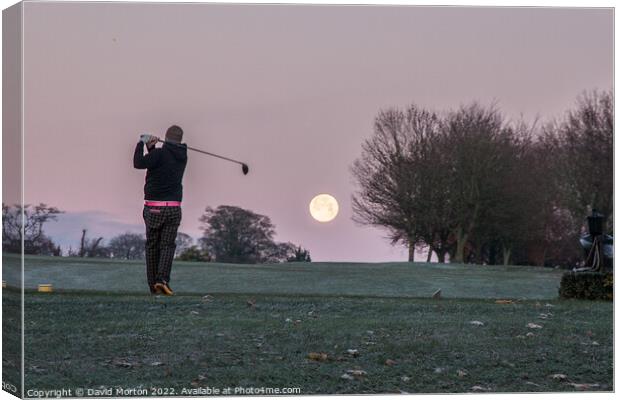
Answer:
(164, 288)
(155, 290)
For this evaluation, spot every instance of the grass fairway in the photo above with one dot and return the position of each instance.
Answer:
(79, 337)
(361, 279)
(84, 340)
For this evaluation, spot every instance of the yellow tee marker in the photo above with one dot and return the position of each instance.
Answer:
(47, 287)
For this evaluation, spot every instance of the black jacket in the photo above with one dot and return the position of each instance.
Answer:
(165, 167)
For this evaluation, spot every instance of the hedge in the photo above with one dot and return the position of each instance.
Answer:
(587, 285)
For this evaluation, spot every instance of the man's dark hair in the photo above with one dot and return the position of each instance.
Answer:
(174, 134)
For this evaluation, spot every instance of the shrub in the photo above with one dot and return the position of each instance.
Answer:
(587, 286)
(194, 253)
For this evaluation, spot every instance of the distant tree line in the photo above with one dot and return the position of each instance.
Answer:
(230, 235)
(470, 186)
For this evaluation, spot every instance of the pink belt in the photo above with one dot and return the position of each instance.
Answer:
(162, 203)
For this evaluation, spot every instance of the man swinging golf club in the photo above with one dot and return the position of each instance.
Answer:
(163, 192)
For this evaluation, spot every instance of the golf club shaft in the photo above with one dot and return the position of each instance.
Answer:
(206, 152)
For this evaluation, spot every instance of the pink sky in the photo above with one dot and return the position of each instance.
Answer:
(291, 90)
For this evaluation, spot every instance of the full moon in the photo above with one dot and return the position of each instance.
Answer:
(324, 207)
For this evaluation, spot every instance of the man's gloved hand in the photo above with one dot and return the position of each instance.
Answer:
(146, 138)
(149, 140)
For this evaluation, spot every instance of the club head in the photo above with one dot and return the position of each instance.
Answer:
(245, 169)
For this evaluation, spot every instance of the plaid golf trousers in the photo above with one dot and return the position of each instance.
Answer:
(162, 224)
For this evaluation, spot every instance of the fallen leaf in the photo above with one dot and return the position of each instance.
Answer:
(583, 386)
(317, 356)
(196, 382)
(503, 301)
(559, 377)
(123, 364)
(357, 372)
(532, 325)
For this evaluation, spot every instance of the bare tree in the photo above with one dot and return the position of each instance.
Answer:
(183, 242)
(471, 185)
(92, 247)
(519, 194)
(32, 219)
(83, 245)
(128, 246)
(583, 149)
(474, 140)
(389, 174)
(433, 203)
(299, 254)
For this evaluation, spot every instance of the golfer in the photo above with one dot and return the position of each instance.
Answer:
(163, 192)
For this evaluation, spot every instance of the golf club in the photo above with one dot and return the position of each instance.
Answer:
(244, 166)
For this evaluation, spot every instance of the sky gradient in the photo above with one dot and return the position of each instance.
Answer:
(291, 90)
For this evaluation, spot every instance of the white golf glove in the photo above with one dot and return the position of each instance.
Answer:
(146, 137)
